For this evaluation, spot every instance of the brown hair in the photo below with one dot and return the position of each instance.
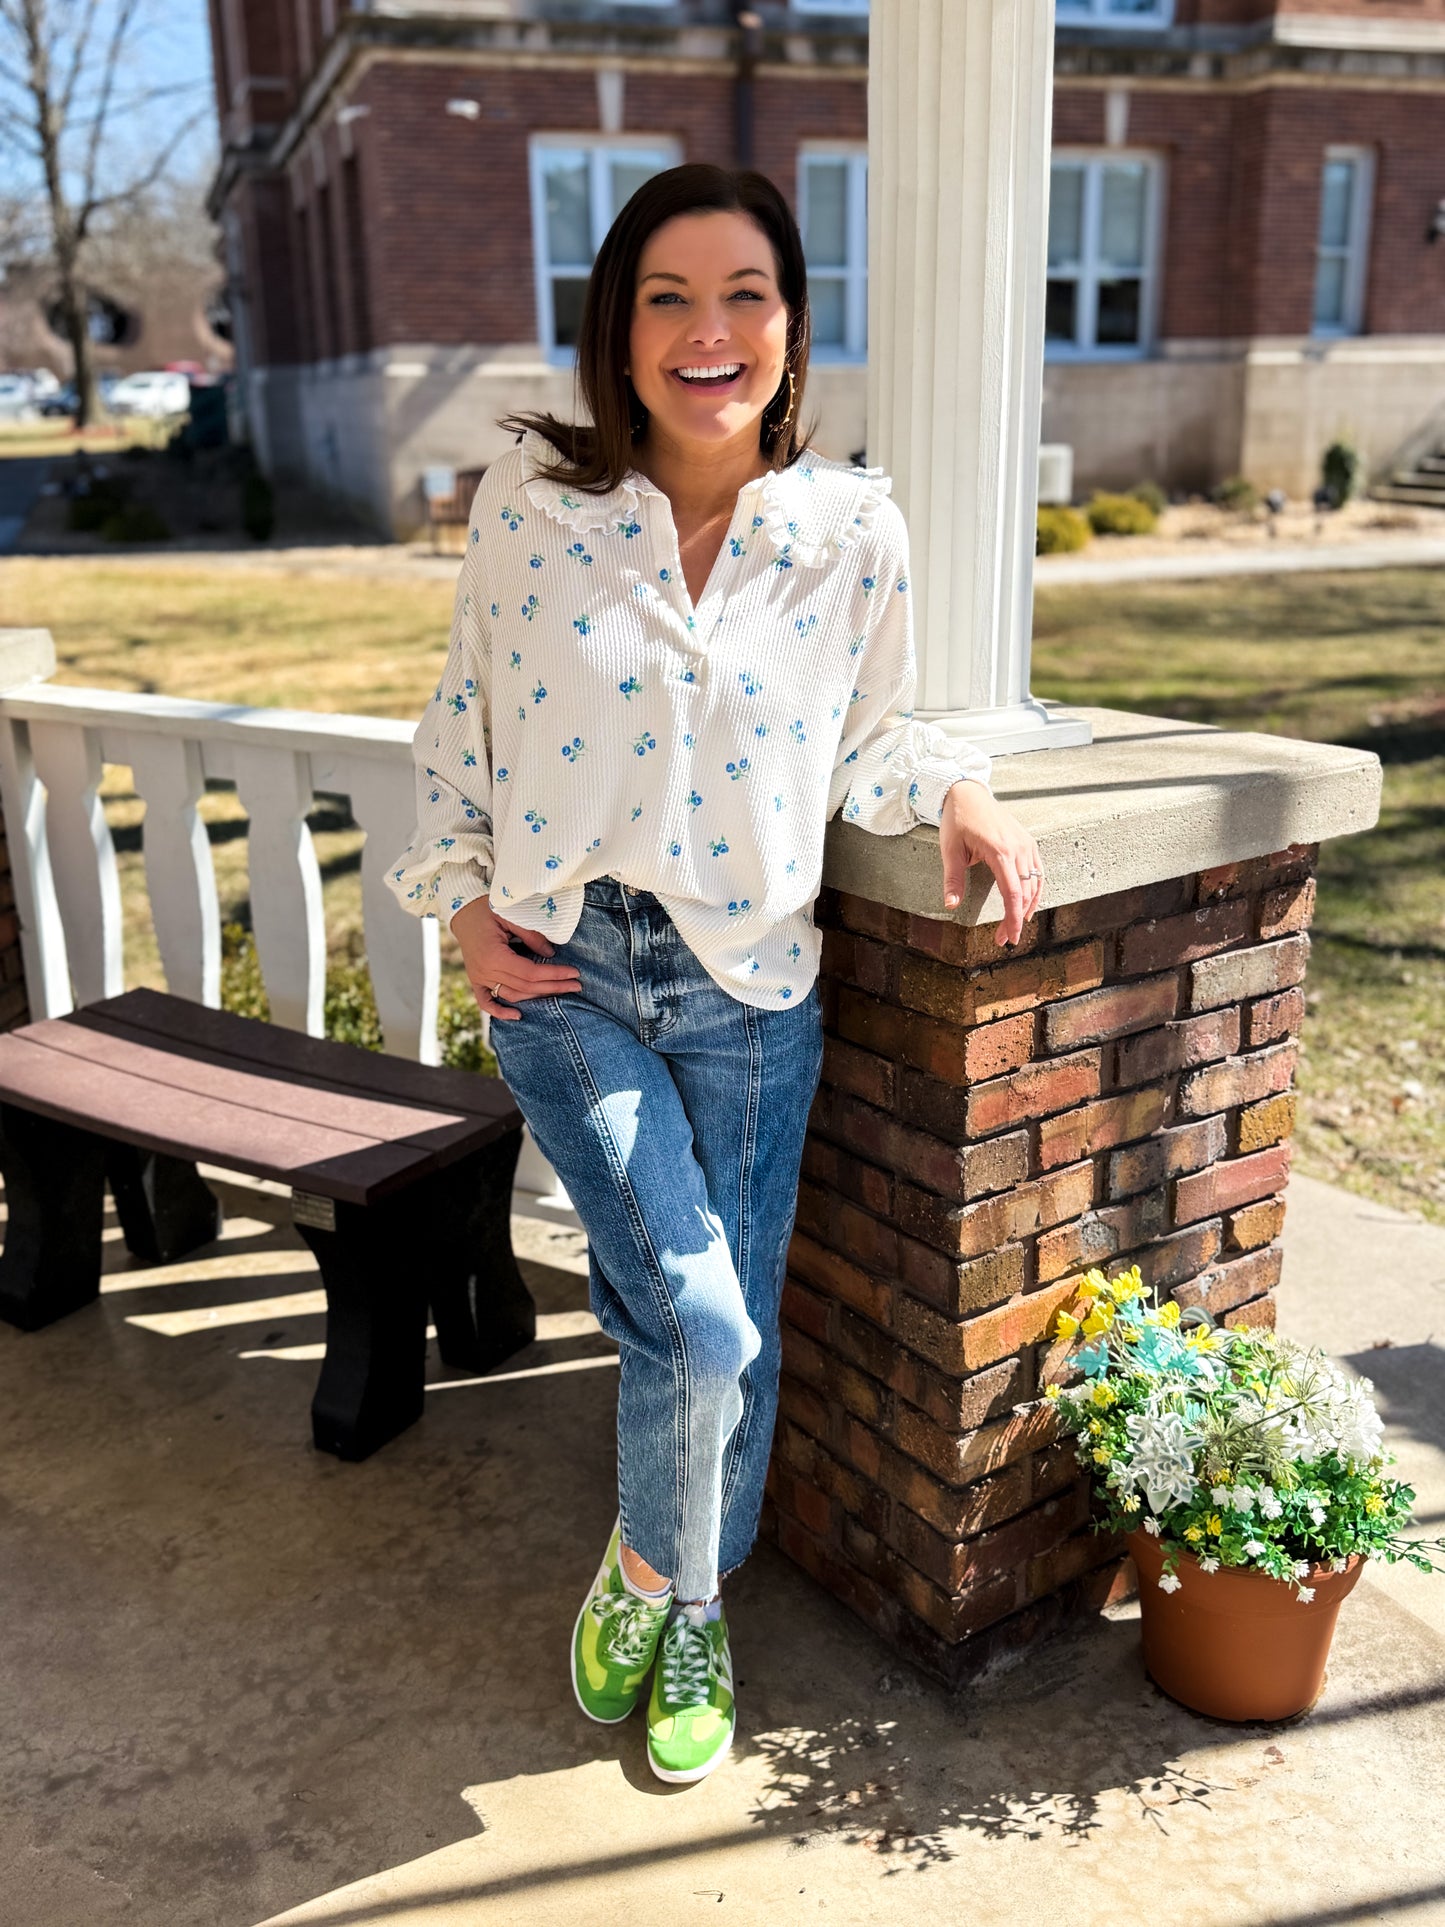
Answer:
(597, 458)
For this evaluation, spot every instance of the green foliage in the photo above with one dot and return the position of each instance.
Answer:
(1340, 472)
(136, 522)
(1061, 531)
(1120, 515)
(258, 507)
(351, 1005)
(1151, 495)
(1236, 494)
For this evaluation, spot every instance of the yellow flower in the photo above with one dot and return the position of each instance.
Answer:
(1169, 1314)
(1374, 1505)
(1214, 1524)
(1096, 1428)
(1131, 1502)
(1051, 1391)
(1104, 1393)
(1098, 1321)
(1226, 1477)
(1067, 1325)
(1193, 1532)
(1199, 1339)
(1102, 1455)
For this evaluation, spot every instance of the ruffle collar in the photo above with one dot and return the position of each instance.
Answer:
(810, 512)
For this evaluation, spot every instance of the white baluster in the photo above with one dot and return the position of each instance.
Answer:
(402, 952)
(275, 788)
(42, 935)
(179, 873)
(82, 856)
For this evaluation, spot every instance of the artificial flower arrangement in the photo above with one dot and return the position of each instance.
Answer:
(1236, 1446)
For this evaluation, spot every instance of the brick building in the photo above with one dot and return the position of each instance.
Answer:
(1244, 198)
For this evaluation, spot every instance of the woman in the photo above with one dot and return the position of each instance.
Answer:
(681, 642)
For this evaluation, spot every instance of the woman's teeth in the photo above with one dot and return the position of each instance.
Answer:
(709, 377)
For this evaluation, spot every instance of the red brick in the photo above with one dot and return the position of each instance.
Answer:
(1179, 940)
(805, 1309)
(1236, 1081)
(1110, 1012)
(1225, 1287)
(1227, 1185)
(1286, 910)
(1259, 1314)
(992, 1049)
(960, 1457)
(1268, 1122)
(994, 1334)
(803, 1406)
(975, 1285)
(1036, 980)
(859, 1072)
(1272, 1018)
(1255, 1224)
(965, 945)
(961, 1405)
(944, 1557)
(976, 1228)
(1170, 1261)
(833, 1277)
(1100, 1126)
(1037, 1531)
(1084, 1552)
(1095, 915)
(1177, 1046)
(1035, 1091)
(1101, 1235)
(871, 919)
(1247, 973)
(861, 961)
(1187, 1147)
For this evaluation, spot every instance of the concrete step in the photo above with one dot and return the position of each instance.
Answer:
(1420, 494)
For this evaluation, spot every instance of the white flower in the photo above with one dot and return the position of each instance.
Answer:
(1339, 1565)
(1162, 1457)
(1305, 1595)
(1317, 1514)
(1301, 1568)
(1169, 1582)
(1242, 1499)
(1269, 1502)
(1220, 1494)
(1152, 1526)
(1254, 1547)
(1209, 1563)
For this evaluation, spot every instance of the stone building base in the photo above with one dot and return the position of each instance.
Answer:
(990, 1124)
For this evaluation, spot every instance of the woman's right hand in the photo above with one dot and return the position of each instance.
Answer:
(491, 962)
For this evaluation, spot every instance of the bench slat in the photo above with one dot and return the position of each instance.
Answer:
(133, 1110)
(268, 1049)
(300, 1103)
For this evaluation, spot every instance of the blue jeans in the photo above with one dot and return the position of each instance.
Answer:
(674, 1114)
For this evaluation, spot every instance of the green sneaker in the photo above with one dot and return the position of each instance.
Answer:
(690, 1716)
(613, 1642)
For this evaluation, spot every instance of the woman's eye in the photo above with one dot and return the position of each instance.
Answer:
(741, 294)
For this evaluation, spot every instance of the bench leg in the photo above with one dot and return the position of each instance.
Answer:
(371, 1383)
(166, 1209)
(480, 1303)
(55, 1203)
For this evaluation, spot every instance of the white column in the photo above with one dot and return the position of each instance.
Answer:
(960, 100)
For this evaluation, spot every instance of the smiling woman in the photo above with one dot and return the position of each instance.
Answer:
(682, 641)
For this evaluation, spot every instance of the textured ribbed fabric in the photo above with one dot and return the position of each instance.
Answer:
(591, 722)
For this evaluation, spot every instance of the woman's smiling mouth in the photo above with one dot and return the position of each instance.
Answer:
(715, 376)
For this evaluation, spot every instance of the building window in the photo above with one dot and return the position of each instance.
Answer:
(578, 190)
(833, 204)
(1342, 250)
(1103, 211)
(831, 6)
(1115, 13)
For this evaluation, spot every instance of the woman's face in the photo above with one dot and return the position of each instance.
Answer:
(707, 298)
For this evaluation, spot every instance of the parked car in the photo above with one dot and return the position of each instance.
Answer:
(17, 398)
(63, 401)
(155, 393)
(42, 383)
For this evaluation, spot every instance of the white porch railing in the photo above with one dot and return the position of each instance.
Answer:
(55, 744)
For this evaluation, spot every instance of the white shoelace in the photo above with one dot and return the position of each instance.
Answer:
(689, 1665)
(633, 1626)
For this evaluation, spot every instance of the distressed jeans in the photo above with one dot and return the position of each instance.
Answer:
(674, 1114)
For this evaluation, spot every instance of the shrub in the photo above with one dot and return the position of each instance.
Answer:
(1120, 515)
(89, 513)
(136, 522)
(1236, 494)
(258, 507)
(351, 1005)
(1340, 472)
(1151, 495)
(1061, 531)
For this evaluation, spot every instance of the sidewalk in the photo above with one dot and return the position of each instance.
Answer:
(1384, 552)
(246, 1683)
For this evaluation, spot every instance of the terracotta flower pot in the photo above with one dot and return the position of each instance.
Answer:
(1236, 1644)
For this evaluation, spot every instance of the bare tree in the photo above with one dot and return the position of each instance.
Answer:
(63, 96)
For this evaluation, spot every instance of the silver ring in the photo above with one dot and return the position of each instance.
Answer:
(496, 992)
(1028, 874)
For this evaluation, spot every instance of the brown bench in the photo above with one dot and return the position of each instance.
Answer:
(400, 1176)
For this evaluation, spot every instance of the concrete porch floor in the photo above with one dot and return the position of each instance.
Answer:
(245, 1683)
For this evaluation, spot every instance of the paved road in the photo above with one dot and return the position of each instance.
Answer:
(1389, 552)
(20, 481)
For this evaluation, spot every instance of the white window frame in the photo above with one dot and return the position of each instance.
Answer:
(663, 148)
(1096, 13)
(854, 273)
(831, 6)
(1357, 246)
(1094, 160)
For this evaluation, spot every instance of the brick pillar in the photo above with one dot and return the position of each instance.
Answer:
(1115, 1090)
(14, 1006)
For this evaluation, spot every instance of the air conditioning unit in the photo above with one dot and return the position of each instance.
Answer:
(1056, 474)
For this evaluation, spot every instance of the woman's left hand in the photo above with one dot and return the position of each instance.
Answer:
(975, 828)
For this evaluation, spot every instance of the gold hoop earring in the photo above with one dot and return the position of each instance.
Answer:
(792, 396)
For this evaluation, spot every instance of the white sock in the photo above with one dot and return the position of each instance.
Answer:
(711, 1608)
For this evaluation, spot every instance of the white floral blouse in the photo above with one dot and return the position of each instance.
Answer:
(591, 721)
